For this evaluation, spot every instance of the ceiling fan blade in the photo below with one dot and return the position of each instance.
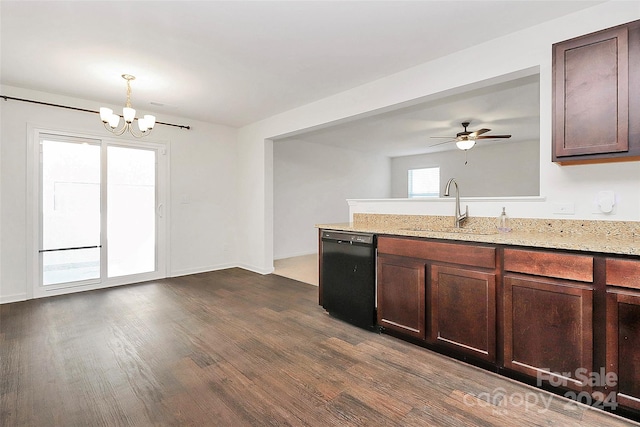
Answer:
(493, 136)
(440, 143)
(479, 132)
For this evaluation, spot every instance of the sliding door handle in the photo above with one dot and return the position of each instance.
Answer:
(70, 249)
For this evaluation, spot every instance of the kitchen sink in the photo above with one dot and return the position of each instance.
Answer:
(452, 230)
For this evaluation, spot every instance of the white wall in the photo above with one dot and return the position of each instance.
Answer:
(491, 170)
(202, 186)
(516, 54)
(310, 185)
(203, 190)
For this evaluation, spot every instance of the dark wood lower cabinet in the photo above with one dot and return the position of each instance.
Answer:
(459, 311)
(548, 331)
(623, 344)
(462, 311)
(401, 295)
(548, 317)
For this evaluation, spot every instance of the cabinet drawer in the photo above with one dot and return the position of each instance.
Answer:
(550, 264)
(623, 272)
(471, 255)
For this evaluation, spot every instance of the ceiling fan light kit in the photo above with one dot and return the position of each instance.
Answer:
(466, 139)
(111, 120)
(465, 144)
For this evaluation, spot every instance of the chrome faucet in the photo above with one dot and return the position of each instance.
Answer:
(459, 218)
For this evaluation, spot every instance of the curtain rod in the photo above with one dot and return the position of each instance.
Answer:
(78, 109)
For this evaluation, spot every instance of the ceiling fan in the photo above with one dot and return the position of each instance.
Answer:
(466, 139)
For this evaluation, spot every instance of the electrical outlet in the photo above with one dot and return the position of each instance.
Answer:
(596, 210)
(606, 201)
(563, 208)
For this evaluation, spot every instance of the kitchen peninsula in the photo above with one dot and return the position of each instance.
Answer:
(612, 237)
(552, 303)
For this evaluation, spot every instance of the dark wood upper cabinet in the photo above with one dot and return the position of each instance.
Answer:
(595, 113)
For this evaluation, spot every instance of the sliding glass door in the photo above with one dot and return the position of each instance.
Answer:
(100, 212)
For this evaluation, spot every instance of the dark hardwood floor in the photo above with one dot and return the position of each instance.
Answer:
(234, 348)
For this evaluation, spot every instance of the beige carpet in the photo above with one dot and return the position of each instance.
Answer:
(302, 268)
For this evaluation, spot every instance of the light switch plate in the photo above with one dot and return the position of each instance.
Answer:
(563, 208)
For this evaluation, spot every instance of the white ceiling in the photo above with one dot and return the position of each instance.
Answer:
(511, 107)
(237, 62)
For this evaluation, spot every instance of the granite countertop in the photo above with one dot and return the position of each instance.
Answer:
(612, 237)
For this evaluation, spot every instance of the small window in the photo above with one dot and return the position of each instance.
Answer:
(424, 182)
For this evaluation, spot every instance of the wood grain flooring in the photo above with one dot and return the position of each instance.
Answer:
(234, 348)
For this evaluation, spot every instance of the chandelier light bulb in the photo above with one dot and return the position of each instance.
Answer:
(114, 121)
(142, 124)
(129, 114)
(151, 121)
(105, 114)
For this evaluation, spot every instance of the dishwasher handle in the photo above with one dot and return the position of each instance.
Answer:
(345, 237)
(340, 242)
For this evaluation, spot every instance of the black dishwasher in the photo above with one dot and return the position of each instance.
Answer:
(349, 276)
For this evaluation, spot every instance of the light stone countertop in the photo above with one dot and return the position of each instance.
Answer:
(607, 237)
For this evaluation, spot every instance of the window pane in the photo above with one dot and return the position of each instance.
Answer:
(424, 182)
(131, 202)
(70, 211)
(70, 266)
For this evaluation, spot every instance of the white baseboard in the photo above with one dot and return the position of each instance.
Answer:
(6, 299)
(262, 271)
(253, 269)
(188, 271)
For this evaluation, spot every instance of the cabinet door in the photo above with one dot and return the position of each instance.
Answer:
(462, 311)
(401, 295)
(623, 344)
(591, 94)
(548, 329)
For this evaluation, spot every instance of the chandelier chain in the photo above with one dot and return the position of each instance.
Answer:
(128, 78)
(128, 93)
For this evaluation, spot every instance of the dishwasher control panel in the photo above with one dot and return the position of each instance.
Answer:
(345, 236)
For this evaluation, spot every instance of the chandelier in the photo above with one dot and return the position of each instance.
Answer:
(111, 120)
